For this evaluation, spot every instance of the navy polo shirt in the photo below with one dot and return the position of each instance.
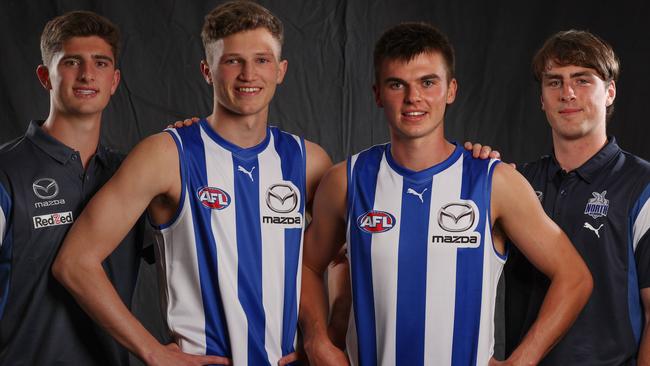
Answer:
(43, 189)
(603, 208)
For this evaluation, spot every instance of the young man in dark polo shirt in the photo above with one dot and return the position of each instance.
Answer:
(598, 194)
(46, 178)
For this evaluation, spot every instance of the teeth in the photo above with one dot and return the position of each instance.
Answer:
(413, 114)
(86, 92)
(248, 90)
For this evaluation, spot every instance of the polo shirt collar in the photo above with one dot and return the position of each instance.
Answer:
(592, 167)
(55, 148)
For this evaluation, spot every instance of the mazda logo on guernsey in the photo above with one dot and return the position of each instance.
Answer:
(456, 217)
(281, 198)
(213, 198)
(376, 221)
(45, 188)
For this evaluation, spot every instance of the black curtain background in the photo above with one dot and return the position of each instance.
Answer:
(326, 96)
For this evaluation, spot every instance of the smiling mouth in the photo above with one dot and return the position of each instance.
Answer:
(248, 90)
(85, 92)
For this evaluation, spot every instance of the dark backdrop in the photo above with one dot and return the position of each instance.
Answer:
(326, 96)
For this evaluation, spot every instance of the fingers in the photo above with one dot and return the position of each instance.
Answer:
(184, 123)
(291, 357)
(214, 360)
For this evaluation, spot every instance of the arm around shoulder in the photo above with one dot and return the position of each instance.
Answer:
(517, 210)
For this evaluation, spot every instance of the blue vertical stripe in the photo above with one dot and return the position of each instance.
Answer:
(249, 254)
(6, 249)
(362, 180)
(293, 165)
(411, 281)
(216, 329)
(469, 267)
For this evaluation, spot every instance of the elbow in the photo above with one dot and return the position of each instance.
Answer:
(585, 285)
(64, 270)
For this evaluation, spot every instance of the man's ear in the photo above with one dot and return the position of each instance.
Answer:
(205, 71)
(43, 74)
(377, 93)
(611, 93)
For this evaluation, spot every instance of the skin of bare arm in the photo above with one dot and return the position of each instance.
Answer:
(643, 358)
(518, 212)
(149, 174)
(323, 239)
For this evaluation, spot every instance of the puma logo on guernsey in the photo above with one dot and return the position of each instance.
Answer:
(588, 226)
(415, 193)
(243, 170)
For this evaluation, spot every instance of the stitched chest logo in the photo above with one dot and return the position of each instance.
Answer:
(45, 188)
(374, 222)
(597, 206)
(213, 198)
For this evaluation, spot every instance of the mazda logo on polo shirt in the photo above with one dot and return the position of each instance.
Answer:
(45, 188)
(281, 198)
(456, 217)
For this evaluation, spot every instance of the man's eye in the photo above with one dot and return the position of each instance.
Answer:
(428, 83)
(395, 85)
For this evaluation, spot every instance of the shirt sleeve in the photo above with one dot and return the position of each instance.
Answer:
(5, 213)
(640, 221)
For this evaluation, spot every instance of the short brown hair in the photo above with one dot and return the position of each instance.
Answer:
(238, 16)
(77, 24)
(579, 48)
(408, 40)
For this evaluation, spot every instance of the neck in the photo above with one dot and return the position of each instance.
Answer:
(420, 153)
(80, 133)
(243, 131)
(571, 154)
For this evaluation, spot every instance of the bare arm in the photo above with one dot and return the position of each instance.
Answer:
(150, 171)
(643, 358)
(323, 240)
(339, 293)
(318, 162)
(517, 210)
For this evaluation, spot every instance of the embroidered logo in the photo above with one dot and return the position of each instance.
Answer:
(415, 193)
(597, 206)
(243, 170)
(588, 226)
(45, 188)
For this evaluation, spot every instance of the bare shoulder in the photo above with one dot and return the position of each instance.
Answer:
(510, 190)
(317, 164)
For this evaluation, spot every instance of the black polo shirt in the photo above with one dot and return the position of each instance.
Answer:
(603, 208)
(43, 189)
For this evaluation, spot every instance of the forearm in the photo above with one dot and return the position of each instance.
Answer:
(643, 358)
(90, 286)
(566, 296)
(313, 308)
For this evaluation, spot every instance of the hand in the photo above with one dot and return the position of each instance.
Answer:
(325, 353)
(480, 151)
(291, 357)
(187, 122)
(171, 354)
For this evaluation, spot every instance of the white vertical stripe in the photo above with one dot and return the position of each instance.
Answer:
(641, 224)
(184, 309)
(3, 226)
(220, 175)
(270, 172)
(441, 273)
(492, 267)
(384, 254)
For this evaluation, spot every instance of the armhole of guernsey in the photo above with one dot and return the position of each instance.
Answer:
(349, 192)
(488, 192)
(181, 168)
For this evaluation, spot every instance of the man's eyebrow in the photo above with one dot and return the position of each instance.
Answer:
(430, 76)
(391, 79)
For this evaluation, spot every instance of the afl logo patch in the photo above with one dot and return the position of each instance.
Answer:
(374, 222)
(213, 198)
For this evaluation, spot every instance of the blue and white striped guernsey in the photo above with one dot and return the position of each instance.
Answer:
(423, 267)
(231, 256)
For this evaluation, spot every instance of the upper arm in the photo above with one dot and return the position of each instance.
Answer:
(317, 164)
(517, 210)
(326, 233)
(150, 170)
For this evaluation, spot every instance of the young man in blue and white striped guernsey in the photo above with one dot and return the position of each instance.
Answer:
(228, 197)
(422, 220)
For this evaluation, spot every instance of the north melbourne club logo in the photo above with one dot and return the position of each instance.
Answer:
(597, 206)
(45, 188)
